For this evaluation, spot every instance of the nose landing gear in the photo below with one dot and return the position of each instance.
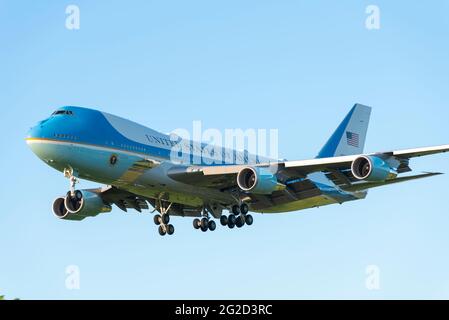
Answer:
(71, 175)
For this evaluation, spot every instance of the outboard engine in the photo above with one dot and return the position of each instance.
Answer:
(372, 168)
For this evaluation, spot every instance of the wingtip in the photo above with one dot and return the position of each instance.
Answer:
(433, 173)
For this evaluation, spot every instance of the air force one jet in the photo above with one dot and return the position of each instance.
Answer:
(135, 164)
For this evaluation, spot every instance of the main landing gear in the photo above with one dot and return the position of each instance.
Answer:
(163, 220)
(238, 218)
(204, 223)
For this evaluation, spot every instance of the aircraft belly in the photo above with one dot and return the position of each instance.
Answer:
(156, 182)
(127, 173)
(94, 164)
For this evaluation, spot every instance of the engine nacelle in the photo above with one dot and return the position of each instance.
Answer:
(84, 204)
(258, 181)
(372, 168)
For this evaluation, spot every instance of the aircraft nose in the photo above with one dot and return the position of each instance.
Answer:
(35, 132)
(33, 139)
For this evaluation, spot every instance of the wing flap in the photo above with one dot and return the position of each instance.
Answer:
(123, 199)
(369, 185)
(214, 177)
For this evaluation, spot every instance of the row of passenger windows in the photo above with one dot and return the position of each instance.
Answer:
(133, 148)
(226, 155)
(65, 136)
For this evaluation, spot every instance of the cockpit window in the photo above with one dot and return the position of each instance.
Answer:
(66, 112)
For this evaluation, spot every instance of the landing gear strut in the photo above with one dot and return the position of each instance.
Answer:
(163, 220)
(238, 218)
(69, 174)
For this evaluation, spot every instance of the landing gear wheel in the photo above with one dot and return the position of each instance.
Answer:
(196, 223)
(236, 210)
(224, 220)
(212, 225)
(204, 223)
(249, 219)
(170, 229)
(231, 221)
(244, 208)
(157, 219)
(239, 222)
(162, 231)
(165, 218)
(204, 228)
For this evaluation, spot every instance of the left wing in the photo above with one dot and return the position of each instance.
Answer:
(337, 168)
(342, 163)
(368, 185)
(419, 152)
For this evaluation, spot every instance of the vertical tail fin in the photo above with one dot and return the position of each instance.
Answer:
(349, 138)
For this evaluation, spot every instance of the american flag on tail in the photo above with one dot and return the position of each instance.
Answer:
(352, 138)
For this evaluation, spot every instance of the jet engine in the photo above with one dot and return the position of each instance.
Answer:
(82, 205)
(372, 168)
(258, 181)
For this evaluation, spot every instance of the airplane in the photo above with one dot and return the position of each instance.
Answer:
(135, 164)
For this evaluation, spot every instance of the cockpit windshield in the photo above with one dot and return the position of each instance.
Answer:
(65, 112)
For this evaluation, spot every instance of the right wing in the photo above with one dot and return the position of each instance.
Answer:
(127, 200)
(123, 199)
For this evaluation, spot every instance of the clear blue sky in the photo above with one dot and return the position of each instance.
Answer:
(292, 65)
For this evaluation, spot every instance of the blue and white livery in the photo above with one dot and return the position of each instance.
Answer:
(137, 167)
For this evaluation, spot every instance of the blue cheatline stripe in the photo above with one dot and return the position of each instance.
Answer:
(330, 147)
